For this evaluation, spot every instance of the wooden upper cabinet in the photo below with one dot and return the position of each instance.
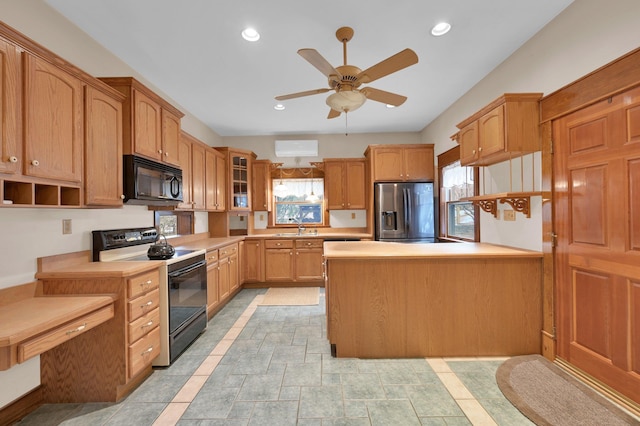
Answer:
(344, 184)
(151, 126)
(215, 180)
(170, 138)
(184, 155)
(261, 185)
(103, 149)
(506, 128)
(239, 168)
(198, 175)
(10, 85)
(53, 114)
(399, 163)
(221, 181)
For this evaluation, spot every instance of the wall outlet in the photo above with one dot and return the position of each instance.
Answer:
(509, 215)
(353, 215)
(66, 226)
(261, 217)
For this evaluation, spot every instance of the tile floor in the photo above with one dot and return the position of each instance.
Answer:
(271, 365)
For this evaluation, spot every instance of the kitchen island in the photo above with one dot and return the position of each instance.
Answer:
(394, 300)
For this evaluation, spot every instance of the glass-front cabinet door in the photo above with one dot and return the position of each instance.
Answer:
(239, 163)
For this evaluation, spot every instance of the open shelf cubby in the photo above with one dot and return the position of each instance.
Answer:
(22, 194)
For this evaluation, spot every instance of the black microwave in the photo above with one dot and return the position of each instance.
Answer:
(151, 183)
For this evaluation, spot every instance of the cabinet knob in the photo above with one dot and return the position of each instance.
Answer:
(480, 149)
(13, 159)
(166, 154)
(159, 151)
(35, 163)
(122, 196)
(474, 151)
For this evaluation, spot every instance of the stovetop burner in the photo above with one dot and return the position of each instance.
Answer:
(177, 254)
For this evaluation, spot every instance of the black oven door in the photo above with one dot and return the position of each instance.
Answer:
(187, 281)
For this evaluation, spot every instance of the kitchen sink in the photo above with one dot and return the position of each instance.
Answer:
(295, 234)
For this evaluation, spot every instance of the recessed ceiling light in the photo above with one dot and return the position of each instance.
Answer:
(440, 29)
(250, 34)
(279, 107)
(390, 106)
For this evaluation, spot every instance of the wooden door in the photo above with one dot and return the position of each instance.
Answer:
(53, 122)
(597, 219)
(170, 138)
(334, 185)
(213, 298)
(309, 264)
(355, 188)
(103, 149)
(387, 164)
(234, 272)
(468, 140)
(253, 250)
(210, 179)
(198, 176)
(261, 185)
(224, 277)
(10, 146)
(147, 140)
(418, 163)
(184, 153)
(221, 182)
(278, 264)
(491, 135)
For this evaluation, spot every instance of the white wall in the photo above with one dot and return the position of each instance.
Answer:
(585, 36)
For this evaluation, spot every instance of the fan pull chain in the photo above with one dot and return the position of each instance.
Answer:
(346, 124)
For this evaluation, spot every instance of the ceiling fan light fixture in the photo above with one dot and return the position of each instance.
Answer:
(279, 107)
(390, 106)
(440, 29)
(250, 34)
(346, 101)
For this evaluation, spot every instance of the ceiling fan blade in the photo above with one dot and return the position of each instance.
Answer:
(301, 94)
(317, 60)
(333, 113)
(382, 96)
(394, 63)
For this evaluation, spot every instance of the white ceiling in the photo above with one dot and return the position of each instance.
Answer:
(192, 50)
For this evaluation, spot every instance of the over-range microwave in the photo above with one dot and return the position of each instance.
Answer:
(149, 182)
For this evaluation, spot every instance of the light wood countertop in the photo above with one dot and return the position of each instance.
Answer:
(388, 250)
(98, 269)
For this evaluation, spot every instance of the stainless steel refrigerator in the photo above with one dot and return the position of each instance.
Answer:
(404, 212)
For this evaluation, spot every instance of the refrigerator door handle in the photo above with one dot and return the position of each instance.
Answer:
(405, 201)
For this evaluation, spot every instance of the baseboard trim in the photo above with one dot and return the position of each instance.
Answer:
(22, 406)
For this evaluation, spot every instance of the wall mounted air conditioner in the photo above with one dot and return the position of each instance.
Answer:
(297, 148)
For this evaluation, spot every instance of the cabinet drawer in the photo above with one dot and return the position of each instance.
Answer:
(143, 351)
(212, 256)
(302, 244)
(278, 244)
(143, 304)
(142, 283)
(227, 251)
(40, 344)
(143, 325)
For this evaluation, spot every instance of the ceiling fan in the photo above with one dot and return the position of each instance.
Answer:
(346, 79)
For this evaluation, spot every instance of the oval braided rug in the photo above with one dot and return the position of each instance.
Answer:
(547, 395)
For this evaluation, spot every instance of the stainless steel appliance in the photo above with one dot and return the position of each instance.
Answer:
(183, 285)
(404, 212)
(151, 183)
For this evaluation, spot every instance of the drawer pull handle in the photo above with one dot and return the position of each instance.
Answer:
(148, 351)
(149, 303)
(146, 283)
(149, 324)
(76, 330)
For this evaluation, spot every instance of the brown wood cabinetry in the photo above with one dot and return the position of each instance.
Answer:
(293, 260)
(121, 357)
(10, 85)
(151, 126)
(345, 186)
(102, 149)
(213, 291)
(53, 127)
(184, 154)
(228, 273)
(253, 261)
(506, 128)
(239, 191)
(215, 180)
(261, 185)
(400, 163)
(198, 175)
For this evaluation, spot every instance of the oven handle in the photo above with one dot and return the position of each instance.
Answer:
(188, 269)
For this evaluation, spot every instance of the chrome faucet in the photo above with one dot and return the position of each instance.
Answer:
(301, 227)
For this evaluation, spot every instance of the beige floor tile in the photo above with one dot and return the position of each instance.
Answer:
(171, 415)
(476, 413)
(455, 387)
(439, 365)
(208, 365)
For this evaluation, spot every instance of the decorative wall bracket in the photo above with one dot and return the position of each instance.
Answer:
(519, 204)
(488, 206)
(519, 201)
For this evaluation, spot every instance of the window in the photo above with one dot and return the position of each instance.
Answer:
(458, 217)
(298, 205)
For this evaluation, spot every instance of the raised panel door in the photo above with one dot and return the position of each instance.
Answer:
(213, 298)
(253, 270)
(170, 138)
(198, 176)
(387, 164)
(210, 179)
(309, 265)
(221, 182)
(184, 153)
(147, 140)
(355, 188)
(103, 149)
(491, 135)
(278, 264)
(334, 185)
(234, 272)
(224, 278)
(10, 146)
(53, 122)
(261, 185)
(468, 140)
(418, 164)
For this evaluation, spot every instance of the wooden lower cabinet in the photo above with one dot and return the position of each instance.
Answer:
(292, 260)
(223, 276)
(109, 361)
(213, 285)
(253, 261)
